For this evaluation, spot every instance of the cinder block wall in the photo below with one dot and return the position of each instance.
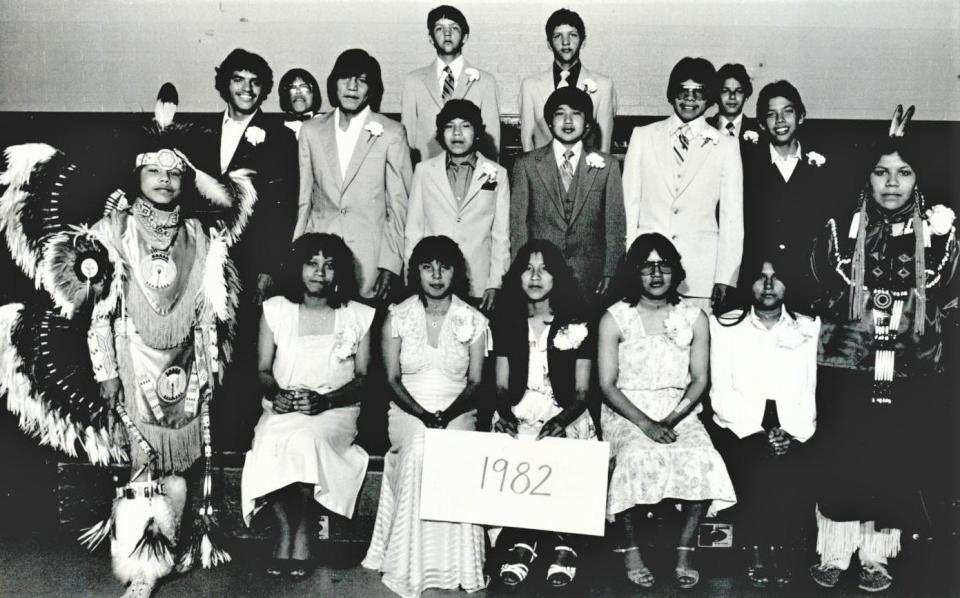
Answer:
(851, 59)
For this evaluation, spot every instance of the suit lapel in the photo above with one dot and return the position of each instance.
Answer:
(547, 169)
(438, 172)
(360, 151)
(328, 141)
(664, 155)
(475, 184)
(463, 86)
(585, 178)
(700, 148)
(431, 83)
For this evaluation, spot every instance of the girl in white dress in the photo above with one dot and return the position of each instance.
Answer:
(433, 349)
(313, 354)
(653, 361)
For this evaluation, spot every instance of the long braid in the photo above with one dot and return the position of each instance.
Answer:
(858, 265)
(919, 264)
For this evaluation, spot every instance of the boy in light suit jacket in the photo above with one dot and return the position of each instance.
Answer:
(570, 196)
(566, 37)
(466, 197)
(450, 76)
(355, 174)
(676, 174)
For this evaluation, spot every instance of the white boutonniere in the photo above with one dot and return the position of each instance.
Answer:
(751, 136)
(346, 344)
(709, 134)
(815, 159)
(678, 329)
(464, 327)
(374, 128)
(570, 337)
(595, 160)
(488, 174)
(940, 218)
(472, 74)
(255, 135)
(589, 86)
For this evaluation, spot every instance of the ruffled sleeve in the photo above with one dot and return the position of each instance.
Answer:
(276, 311)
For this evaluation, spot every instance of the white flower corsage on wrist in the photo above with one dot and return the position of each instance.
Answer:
(595, 160)
(678, 329)
(255, 135)
(940, 218)
(589, 86)
(464, 328)
(374, 128)
(488, 174)
(815, 159)
(570, 337)
(751, 136)
(472, 74)
(346, 344)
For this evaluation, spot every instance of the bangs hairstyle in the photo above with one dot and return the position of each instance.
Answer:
(778, 89)
(241, 60)
(905, 147)
(744, 296)
(445, 251)
(447, 12)
(344, 287)
(565, 299)
(697, 69)
(463, 109)
(574, 97)
(286, 81)
(738, 72)
(627, 282)
(353, 63)
(565, 16)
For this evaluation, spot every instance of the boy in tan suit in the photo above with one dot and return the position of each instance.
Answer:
(450, 76)
(466, 197)
(355, 174)
(566, 37)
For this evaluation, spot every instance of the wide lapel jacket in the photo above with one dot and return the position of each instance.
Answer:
(479, 222)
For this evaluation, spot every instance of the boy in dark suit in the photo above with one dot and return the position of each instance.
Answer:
(786, 190)
(570, 196)
(735, 90)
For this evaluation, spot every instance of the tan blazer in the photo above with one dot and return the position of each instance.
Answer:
(480, 223)
(534, 92)
(421, 103)
(685, 210)
(368, 206)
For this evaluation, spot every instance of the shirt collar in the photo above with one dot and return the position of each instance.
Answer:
(696, 125)
(755, 319)
(574, 71)
(356, 121)
(559, 149)
(775, 155)
(244, 121)
(724, 120)
(456, 66)
(470, 159)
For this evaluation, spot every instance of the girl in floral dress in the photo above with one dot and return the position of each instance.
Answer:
(433, 349)
(544, 351)
(653, 357)
(313, 354)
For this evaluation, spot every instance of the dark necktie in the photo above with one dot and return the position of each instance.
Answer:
(448, 84)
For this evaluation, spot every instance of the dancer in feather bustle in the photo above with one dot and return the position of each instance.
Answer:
(151, 287)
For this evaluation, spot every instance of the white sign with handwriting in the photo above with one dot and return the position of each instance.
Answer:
(554, 484)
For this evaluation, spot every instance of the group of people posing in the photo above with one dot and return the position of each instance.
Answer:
(566, 299)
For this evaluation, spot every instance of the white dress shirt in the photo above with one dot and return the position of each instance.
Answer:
(737, 124)
(750, 364)
(456, 67)
(230, 138)
(347, 140)
(786, 165)
(559, 149)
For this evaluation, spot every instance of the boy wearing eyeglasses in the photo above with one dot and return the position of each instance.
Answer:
(683, 179)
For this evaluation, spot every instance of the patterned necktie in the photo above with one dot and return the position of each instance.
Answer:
(566, 170)
(681, 144)
(730, 129)
(564, 74)
(448, 84)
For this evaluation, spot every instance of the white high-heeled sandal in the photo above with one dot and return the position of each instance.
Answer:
(563, 573)
(518, 570)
